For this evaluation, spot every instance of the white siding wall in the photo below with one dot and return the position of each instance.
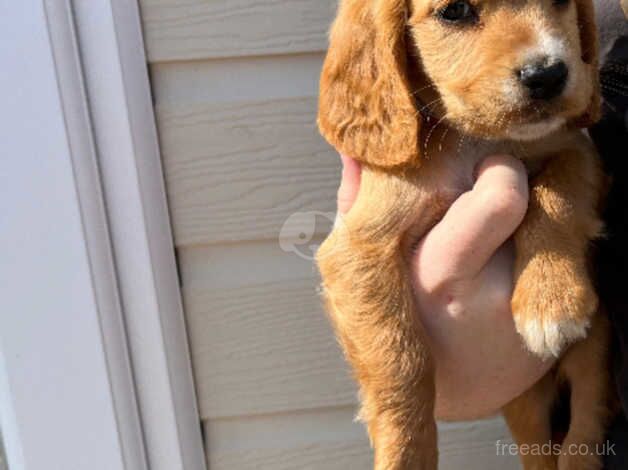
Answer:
(235, 85)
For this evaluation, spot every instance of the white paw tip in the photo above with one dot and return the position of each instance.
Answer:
(547, 339)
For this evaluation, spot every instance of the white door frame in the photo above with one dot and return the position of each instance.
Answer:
(94, 363)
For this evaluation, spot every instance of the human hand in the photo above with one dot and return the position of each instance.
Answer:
(463, 277)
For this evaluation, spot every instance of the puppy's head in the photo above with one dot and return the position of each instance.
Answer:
(498, 69)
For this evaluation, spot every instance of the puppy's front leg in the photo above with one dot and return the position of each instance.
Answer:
(371, 305)
(553, 298)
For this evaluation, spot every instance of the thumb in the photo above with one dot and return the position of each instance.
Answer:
(349, 184)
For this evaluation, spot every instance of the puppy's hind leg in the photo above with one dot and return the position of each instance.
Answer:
(585, 367)
(529, 420)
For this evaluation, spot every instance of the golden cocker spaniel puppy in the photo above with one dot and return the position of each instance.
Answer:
(420, 91)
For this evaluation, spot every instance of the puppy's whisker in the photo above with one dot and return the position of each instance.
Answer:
(442, 139)
(429, 136)
(423, 88)
(612, 108)
(428, 105)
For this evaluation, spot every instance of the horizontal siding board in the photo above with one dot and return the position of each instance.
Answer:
(234, 265)
(237, 79)
(324, 439)
(238, 171)
(329, 439)
(263, 346)
(201, 29)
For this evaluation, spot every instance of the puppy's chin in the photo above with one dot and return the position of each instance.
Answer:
(535, 130)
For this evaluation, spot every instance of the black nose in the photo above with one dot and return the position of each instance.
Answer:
(544, 82)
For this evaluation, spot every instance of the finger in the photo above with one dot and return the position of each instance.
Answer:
(349, 185)
(478, 222)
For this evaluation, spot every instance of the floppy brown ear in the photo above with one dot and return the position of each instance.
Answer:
(589, 47)
(366, 108)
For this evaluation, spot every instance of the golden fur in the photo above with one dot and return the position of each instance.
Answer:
(392, 62)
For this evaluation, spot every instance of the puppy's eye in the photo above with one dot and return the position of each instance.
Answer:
(458, 12)
(560, 3)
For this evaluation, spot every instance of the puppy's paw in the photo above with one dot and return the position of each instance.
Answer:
(552, 309)
(547, 338)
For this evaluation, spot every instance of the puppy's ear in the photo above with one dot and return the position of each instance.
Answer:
(366, 107)
(589, 47)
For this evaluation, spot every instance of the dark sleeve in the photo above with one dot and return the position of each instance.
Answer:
(611, 258)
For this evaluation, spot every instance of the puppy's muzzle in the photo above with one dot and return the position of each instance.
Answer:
(544, 79)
